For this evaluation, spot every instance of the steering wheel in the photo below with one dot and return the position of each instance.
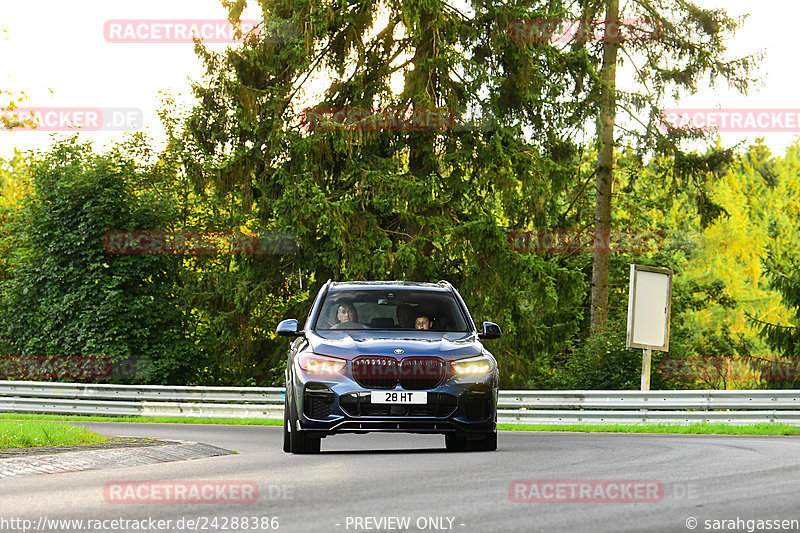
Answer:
(349, 325)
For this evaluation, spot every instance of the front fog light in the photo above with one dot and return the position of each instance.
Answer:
(481, 364)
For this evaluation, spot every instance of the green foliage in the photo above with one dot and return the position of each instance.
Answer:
(719, 277)
(379, 204)
(13, 186)
(784, 338)
(766, 428)
(233, 301)
(367, 203)
(414, 203)
(145, 419)
(781, 210)
(65, 295)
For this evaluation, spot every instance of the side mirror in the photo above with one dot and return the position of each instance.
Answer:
(490, 331)
(289, 328)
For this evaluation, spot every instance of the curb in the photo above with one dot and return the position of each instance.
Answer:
(98, 459)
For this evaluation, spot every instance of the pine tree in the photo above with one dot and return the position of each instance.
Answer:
(480, 148)
(785, 278)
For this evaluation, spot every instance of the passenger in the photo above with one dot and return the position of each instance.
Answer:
(405, 319)
(423, 322)
(346, 313)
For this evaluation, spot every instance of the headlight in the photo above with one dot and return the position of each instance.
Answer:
(481, 364)
(321, 364)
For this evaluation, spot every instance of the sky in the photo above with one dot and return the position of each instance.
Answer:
(59, 54)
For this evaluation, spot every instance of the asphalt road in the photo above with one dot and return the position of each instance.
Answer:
(378, 482)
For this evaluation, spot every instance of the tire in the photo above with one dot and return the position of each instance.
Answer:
(303, 444)
(287, 437)
(299, 441)
(455, 442)
(488, 444)
(459, 443)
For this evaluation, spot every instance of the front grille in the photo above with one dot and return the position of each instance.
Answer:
(420, 373)
(413, 373)
(375, 372)
(358, 404)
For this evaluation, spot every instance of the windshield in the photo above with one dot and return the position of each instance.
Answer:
(394, 309)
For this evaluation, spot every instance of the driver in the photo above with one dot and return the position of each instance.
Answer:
(346, 313)
(405, 316)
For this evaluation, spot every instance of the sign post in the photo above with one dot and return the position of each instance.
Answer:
(646, 355)
(648, 313)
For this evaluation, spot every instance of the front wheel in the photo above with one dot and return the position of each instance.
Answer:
(287, 421)
(299, 441)
(489, 442)
(455, 443)
(303, 444)
(460, 443)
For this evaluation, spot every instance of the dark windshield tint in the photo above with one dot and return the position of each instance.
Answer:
(394, 309)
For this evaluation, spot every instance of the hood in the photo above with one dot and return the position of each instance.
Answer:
(350, 344)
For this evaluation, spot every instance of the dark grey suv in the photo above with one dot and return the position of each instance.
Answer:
(390, 356)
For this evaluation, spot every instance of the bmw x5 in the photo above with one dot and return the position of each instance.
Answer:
(390, 357)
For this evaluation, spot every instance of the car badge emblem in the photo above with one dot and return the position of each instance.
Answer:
(399, 351)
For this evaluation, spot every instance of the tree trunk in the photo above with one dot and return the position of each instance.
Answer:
(605, 172)
(422, 87)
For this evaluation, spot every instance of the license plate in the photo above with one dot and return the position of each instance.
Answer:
(399, 397)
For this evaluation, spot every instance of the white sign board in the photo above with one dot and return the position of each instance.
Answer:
(649, 308)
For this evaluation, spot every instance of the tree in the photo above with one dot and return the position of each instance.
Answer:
(422, 201)
(663, 55)
(14, 184)
(778, 208)
(786, 338)
(605, 172)
(66, 296)
(662, 228)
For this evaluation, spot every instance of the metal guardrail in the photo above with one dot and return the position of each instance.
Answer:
(141, 400)
(651, 407)
(515, 407)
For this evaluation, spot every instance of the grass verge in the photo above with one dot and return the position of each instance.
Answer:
(143, 419)
(33, 433)
(689, 429)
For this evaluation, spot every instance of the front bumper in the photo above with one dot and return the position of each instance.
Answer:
(460, 404)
